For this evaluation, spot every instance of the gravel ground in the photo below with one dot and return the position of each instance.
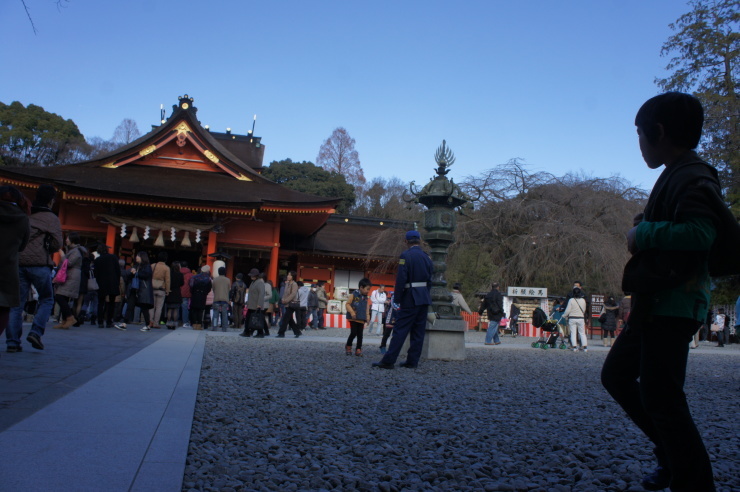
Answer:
(289, 415)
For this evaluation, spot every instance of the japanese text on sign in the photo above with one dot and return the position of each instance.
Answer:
(526, 292)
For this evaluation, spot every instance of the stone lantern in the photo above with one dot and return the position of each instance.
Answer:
(445, 336)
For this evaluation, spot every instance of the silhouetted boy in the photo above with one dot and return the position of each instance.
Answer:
(668, 275)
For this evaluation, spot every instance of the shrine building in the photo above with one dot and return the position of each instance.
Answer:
(198, 195)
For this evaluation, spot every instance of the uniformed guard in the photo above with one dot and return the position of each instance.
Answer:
(413, 293)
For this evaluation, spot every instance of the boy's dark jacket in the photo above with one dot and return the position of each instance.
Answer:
(688, 189)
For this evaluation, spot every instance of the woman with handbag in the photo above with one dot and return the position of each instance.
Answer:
(292, 307)
(68, 290)
(255, 321)
(140, 292)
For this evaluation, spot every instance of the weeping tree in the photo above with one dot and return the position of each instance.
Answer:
(535, 229)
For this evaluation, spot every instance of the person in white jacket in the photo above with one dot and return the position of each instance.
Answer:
(377, 298)
(575, 311)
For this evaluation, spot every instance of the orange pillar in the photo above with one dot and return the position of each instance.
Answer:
(211, 249)
(110, 239)
(274, 254)
(62, 215)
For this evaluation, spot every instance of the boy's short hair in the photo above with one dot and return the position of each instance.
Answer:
(222, 270)
(681, 116)
(365, 282)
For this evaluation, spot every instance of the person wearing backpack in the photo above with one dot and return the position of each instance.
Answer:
(493, 304)
(236, 295)
(34, 268)
(358, 315)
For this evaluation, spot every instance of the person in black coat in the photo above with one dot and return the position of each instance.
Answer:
(609, 313)
(140, 293)
(493, 304)
(514, 313)
(108, 275)
(14, 235)
(174, 298)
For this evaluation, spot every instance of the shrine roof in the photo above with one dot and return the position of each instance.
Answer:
(152, 183)
(178, 160)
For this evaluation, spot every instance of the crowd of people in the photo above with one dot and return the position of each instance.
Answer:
(45, 268)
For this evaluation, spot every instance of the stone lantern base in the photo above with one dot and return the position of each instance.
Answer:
(444, 340)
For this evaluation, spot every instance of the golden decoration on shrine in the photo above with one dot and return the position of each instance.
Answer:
(147, 150)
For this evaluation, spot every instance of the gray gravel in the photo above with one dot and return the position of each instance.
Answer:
(289, 415)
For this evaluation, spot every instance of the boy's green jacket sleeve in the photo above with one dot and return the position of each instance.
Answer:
(697, 234)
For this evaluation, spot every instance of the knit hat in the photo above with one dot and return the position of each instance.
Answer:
(44, 195)
(205, 269)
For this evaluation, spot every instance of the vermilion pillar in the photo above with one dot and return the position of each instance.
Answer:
(110, 238)
(211, 249)
(274, 254)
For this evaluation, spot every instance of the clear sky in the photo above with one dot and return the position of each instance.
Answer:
(553, 82)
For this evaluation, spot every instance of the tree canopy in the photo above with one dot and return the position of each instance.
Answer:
(309, 178)
(383, 198)
(705, 59)
(31, 136)
(337, 154)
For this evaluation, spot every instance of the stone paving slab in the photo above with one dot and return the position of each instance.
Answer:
(126, 428)
(32, 379)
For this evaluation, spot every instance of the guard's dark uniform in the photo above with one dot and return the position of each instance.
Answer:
(413, 293)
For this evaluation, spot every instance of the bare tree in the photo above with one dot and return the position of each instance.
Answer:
(99, 147)
(126, 132)
(338, 154)
(60, 4)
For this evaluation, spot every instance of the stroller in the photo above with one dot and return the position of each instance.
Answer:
(550, 327)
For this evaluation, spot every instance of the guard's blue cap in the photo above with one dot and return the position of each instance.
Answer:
(410, 235)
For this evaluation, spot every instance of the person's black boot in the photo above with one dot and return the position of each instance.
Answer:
(658, 479)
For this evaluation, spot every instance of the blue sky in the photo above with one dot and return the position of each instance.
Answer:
(555, 83)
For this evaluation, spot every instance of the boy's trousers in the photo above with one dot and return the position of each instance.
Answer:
(656, 356)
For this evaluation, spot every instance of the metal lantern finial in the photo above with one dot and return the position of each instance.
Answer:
(444, 158)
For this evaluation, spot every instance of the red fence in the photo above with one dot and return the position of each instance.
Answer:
(525, 329)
